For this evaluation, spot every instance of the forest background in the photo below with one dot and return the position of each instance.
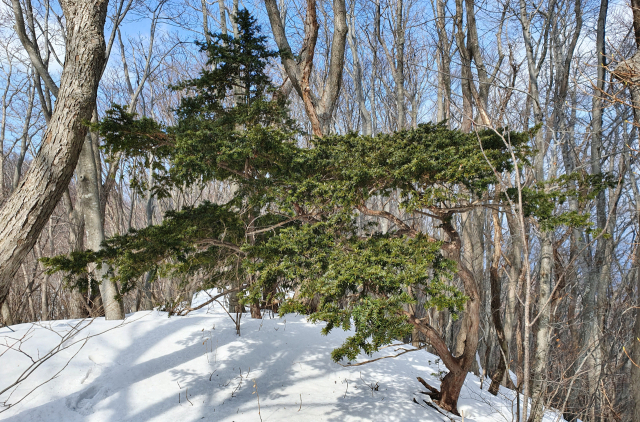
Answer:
(557, 305)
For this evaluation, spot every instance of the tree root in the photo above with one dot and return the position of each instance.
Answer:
(434, 393)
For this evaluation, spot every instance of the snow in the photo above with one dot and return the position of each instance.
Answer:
(154, 368)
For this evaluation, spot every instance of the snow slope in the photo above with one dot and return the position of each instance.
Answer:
(146, 368)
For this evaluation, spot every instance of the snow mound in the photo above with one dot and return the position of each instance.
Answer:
(193, 368)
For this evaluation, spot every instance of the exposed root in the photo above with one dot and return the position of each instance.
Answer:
(434, 393)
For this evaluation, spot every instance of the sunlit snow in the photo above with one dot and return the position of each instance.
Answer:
(154, 368)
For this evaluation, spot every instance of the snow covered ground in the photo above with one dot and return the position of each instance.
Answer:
(179, 369)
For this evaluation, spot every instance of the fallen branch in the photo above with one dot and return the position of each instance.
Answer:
(380, 358)
(185, 311)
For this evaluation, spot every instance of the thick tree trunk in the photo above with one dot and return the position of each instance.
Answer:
(599, 279)
(546, 241)
(398, 74)
(473, 254)
(78, 303)
(515, 275)
(539, 370)
(145, 301)
(5, 312)
(465, 72)
(496, 294)
(374, 66)
(27, 210)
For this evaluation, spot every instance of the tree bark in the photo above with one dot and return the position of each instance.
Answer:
(78, 303)
(27, 210)
(89, 196)
(473, 256)
(444, 65)
(465, 72)
(144, 301)
(628, 72)
(205, 21)
(604, 247)
(515, 276)
(398, 74)
(319, 111)
(367, 127)
(458, 366)
(496, 293)
(5, 312)
(546, 238)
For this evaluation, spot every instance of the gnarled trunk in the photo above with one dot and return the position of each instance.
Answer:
(458, 366)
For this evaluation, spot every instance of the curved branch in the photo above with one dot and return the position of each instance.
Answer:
(387, 215)
(220, 243)
(32, 50)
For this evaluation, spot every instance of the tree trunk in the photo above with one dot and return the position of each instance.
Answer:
(539, 370)
(319, 110)
(398, 74)
(444, 65)
(145, 301)
(473, 253)
(628, 72)
(44, 299)
(599, 280)
(89, 195)
(367, 127)
(374, 66)
(78, 303)
(496, 293)
(27, 210)
(546, 244)
(5, 311)
(465, 72)
(460, 365)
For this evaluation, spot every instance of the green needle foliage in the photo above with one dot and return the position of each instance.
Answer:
(429, 166)
(544, 200)
(356, 277)
(231, 125)
(360, 282)
(200, 239)
(290, 234)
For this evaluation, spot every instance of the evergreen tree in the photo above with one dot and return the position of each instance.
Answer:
(230, 127)
(289, 236)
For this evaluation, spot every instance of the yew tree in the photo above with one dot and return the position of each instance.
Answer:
(353, 276)
(231, 126)
(289, 239)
